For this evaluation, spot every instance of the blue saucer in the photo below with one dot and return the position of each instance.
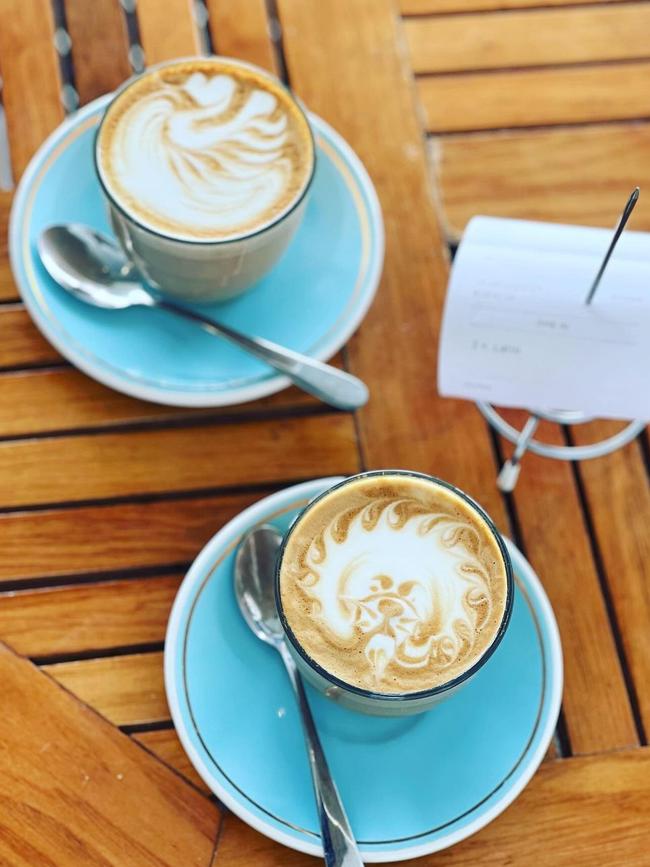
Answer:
(312, 301)
(410, 786)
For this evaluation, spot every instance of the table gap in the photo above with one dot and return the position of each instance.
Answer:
(277, 41)
(561, 734)
(140, 728)
(10, 369)
(606, 592)
(537, 127)
(62, 44)
(557, 7)
(136, 55)
(101, 653)
(174, 423)
(66, 580)
(163, 496)
(499, 70)
(201, 17)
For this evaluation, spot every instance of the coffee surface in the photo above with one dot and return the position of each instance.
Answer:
(393, 584)
(205, 150)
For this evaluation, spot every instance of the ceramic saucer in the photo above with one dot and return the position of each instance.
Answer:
(312, 301)
(410, 786)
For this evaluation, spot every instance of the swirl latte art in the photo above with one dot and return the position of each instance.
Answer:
(393, 584)
(205, 150)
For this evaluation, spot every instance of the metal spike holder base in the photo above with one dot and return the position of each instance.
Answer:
(524, 441)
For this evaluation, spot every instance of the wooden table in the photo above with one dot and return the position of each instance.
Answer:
(516, 109)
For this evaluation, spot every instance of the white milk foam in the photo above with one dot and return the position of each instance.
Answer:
(195, 157)
(390, 583)
(393, 585)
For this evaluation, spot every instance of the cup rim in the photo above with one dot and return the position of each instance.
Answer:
(402, 697)
(233, 61)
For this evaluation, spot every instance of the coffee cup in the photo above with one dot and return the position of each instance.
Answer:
(206, 164)
(394, 589)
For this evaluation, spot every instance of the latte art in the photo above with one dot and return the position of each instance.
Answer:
(394, 591)
(201, 150)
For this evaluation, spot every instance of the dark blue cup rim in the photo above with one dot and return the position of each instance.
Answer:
(404, 696)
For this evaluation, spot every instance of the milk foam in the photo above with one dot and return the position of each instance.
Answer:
(395, 596)
(205, 155)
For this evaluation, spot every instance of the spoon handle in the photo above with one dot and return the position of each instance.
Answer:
(339, 846)
(335, 387)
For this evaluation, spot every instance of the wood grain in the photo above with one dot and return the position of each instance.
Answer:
(442, 7)
(167, 33)
(580, 175)
(104, 539)
(127, 690)
(157, 461)
(618, 499)
(596, 706)
(532, 38)
(538, 97)
(7, 286)
(100, 46)
(165, 745)
(405, 424)
(86, 618)
(574, 813)
(30, 76)
(21, 344)
(55, 400)
(76, 791)
(241, 30)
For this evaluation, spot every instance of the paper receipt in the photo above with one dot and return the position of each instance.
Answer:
(516, 331)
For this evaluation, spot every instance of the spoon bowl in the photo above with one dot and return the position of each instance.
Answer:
(254, 587)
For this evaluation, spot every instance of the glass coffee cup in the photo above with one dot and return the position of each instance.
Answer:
(206, 164)
(394, 589)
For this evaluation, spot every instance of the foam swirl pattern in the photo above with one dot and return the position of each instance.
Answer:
(393, 590)
(201, 150)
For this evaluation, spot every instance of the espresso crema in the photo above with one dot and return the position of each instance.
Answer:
(205, 150)
(393, 583)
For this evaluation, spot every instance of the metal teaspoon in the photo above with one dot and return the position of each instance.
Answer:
(93, 268)
(254, 588)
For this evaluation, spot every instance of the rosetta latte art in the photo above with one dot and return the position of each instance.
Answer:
(417, 605)
(205, 155)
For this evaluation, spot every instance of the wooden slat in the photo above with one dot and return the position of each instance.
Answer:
(105, 539)
(165, 745)
(579, 175)
(7, 286)
(493, 100)
(20, 342)
(531, 38)
(168, 31)
(127, 690)
(86, 618)
(76, 791)
(441, 7)
(617, 493)
(109, 465)
(30, 74)
(99, 46)
(596, 706)
(241, 30)
(574, 813)
(349, 68)
(64, 399)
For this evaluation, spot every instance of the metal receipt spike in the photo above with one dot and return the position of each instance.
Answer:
(618, 231)
(507, 478)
